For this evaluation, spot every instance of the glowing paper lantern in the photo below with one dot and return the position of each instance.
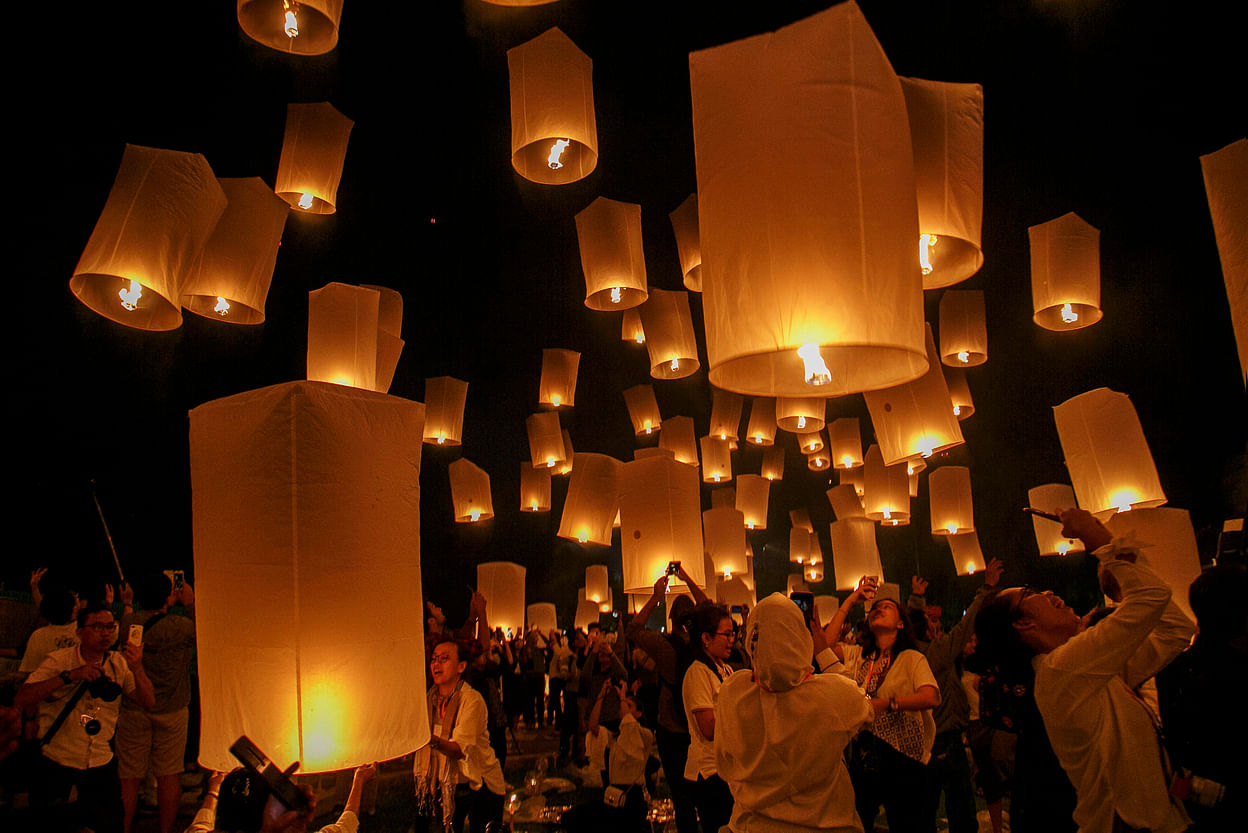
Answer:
(827, 607)
(534, 488)
(444, 410)
(608, 604)
(886, 495)
(854, 552)
(734, 592)
(1171, 550)
(609, 234)
(773, 463)
(564, 466)
(915, 419)
(819, 461)
(1110, 464)
(342, 335)
(1065, 273)
(723, 534)
(800, 415)
(270, 532)
(810, 249)
(949, 495)
(160, 213)
(1052, 497)
(813, 572)
(502, 584)
(586, 612)
(685, 225)
(845, 443)
(725, 414)
(670, 339)
(519, 2)
(596, 583)
(660, 521)
(643, 409)
(968, 558)
(800, 518)
(796, 583)
(753, 493)
(761, 430)
(678, 437)
(557, 387)
(716, 460)
(1225, 173)
(959, 393)
(963, 328)
(313, 153)
(631, 330)
(592, 501)
(855, 477)
(810, 443)
(913, 479)
(947, 133)
(470, 492)
(799, 545)
(545, 439)
(306, 27)
(543, 617)
(389, 335)
(845, 503)
(554, 138)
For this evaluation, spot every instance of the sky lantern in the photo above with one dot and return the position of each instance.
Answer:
(854, 552)
(587, 612)
(811, 442)
(592, 500)
(810, 285)
(470, 492)
(660, 522)
(734, 593)
(855, 477)
(772, 466)
(564, 466)
(949, 496)
(800, 415)
(291, 650)
(799, 545)
(545, 439)
(813, 572)
(160, 213)
(947, 133)
(502, 584)
(685, 226)
(558, 384)
(915, 419)
(723, 535)
(231, 281)
(886, 495)
(1225, 173)
(845, 442)
(963, 328)
(1107, 455)
(1170, 547)
(389, 335)
(1065, 273)
(726, 414)
(609, 234)
(968, 558)
(313, 153)
(821, 460)
(643, 409)
(608, 604)
(761, 429)
(631, 329)
(913, 479)
(444, 410)
(800, 517)
(342, 335)
(678, 437)
(534, 488)
(753, 494)
(670, 338)
(959, 392)
(542, 617)
(306, 27)
(716, 460)
(1052, 498)
(845, 502)
(554, 138)
(827, 607)
(596, 583)
(796, 583)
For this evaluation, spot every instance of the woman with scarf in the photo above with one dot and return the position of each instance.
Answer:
(457, 775)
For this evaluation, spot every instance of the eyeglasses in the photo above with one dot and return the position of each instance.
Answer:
(724, 633)
(103, 627)
(439, 658)
(1024, 591)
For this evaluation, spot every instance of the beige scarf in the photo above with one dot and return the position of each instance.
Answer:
(437, 775)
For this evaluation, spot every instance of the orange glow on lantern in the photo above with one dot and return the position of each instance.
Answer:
(800, 415)
(445, 397)
(470, 492)
(854, 552)
(678, 437)
(343, 328)
(963, 328)
(313, 152)
(502, 584)
(631, 330)
(886, 495)
(660, 521)
(609, 234)
(968, 558)
(959, 393)
(773, 463)
(819, 461)
(845, 443)
(752, 497)
(855, 477)
(542, 617)
(1052, 497)
(596, 583)
(554, 136)
(1225, 172)
(643, 409)
(545, 439)
(1065, 273)
(534, 488)
(949, 496)
(761, 430)
(558, 383)
(685, 226)
(670, 338)
(725, 414)
(799, 545)
(309, 27)
(716, 460)
(723, 535)
(915, 419)
(845, 502)
(590, 507)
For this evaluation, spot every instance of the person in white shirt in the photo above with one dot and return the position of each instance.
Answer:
(711, 637)
(58, 606)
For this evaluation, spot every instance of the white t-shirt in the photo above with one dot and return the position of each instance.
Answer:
(630, 752)
(471, 732)
(910, 733)
(44, 641)
(700, 690)
(72, 746)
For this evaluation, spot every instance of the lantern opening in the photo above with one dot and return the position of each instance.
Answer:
(305, 200)
(964, 356)
(474, 515)
(927, 242)
(222, 308)
(556, 400)
(1069, 316)
(675, 364)
(816, 372)
(441, 438)
(801, 422)
(130, 297)
(648, 426)
(291, 25)
(957, 411)
(556, 151)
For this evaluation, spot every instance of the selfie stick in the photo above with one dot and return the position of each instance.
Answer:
(107, 534)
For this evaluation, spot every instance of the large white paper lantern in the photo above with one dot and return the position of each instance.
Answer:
(542, 617)
(546, 446)
(845, 443)
(1065, 273)
(313, 153)
(1225, 173)
(597, 583)
(915, 419)
(306, 27)
(963, 328)
(855, 477)
(753, 494)
(470, 492)
(1171, 550)
(723, 534)
(292, 566)
(609, 234)
(854, 552)
(502, 584)
(726, 414)
(592, 501)
(949, 496)
(772, 466)
(716, 460)
(660, 522)
(557, 387)
(343, 327)
(845, 502)
(1052, 498)
(643, 409)
(554, 137)
(968, 558)
(678, 437)
(534, 488)
(670, 338)
(886, 494)
(800, 415)
(444, 410)
(685, 226)
(761, 430)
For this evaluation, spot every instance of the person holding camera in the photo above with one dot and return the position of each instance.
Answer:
(77, 691)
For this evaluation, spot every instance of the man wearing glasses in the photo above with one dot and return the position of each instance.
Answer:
(77, 691)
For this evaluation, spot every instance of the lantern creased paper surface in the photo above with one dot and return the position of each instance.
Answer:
(342, 335)
(753, 494)
(592, 501)
(1168, 544)
(799, 545)
(502, 584)
(796, 583)
(845, 443)
(726, 414)
(855, 477)
(643, 409)
(772, 466)
(915, 419)
(558, 384)
(723, 533)
(810, 443)
(586, 612)
(1052, 497)
(968, 558)
(596, 583)
(444, 410)
(716, 460)
(542, 617)
(660, 521)
(313, 153)
(734, 592)
(554, 137)
(1065, 273)
(886, 492)
(1107, 455)
(1226, 172)
(761, 430)
(565, 465)
(845, 503)
(819, 461)
(306, 518)
(854, 552)
(801, 415)
(269, 22)
(546, 447)
(470, 492)
(609, 235)
(947, 133)
(389, 335)
(800, 517)
(959, 392)
(631, 329)
(685, 226)
(963, 328)
(949, 496)
(670, 339)
(534, 488)
(231, 281)
(160, 213)
(811, 248)
(678, 437)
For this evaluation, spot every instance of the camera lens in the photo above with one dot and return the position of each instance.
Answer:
(89, 724)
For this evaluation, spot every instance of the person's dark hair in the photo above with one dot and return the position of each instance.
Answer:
(57, 605)
(240, 806)
(705, 618)
(998, 641)
(152, 589)
(682, 609)
(92, 607)
(593, 626)
(1219, 598)
(905, 639)
(462, 652)
(918, 623)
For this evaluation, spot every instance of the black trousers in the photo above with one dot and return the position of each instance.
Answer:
(478, 807)
(99, 797)
(949, 771)
(673, 753)
(714, 801)
(882, 775)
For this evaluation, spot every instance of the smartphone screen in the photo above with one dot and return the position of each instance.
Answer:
(135, 637)
(805, 602)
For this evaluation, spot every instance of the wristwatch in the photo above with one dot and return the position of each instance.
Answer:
(65, 678)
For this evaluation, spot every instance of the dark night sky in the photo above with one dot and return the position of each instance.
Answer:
(1101, 108)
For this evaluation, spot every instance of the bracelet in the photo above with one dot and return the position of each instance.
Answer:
(892, 705)
(212, 795)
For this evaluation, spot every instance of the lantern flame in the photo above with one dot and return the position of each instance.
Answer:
(130, 297)
(533, 505)
(818, 462)
(801, 422)
(550, 462)
(1063, 548)
(441, 438)
(222, 308)
(722, 435)
(556, 151)
(615, 294)
(1122, 499)
(957, 411)
(927, 242)
(582, 536)
(640, 338)
(556, 400)
(648, 426)
(1069, 316)
(749, 524)
(964, 356)
(675, 364)
(816, 371)
(953, 529)
(291, 24)
(770, 476)
(888, 514)
(970, 566)
(717, 478)
(847, 462)
(758, 439)
(305, 201)
(925, 446)
(474, 515)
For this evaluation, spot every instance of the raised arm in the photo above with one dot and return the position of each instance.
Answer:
(961, 633)
(699, 595)
(864, 590)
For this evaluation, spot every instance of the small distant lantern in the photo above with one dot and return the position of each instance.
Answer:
(643, 409)
(761, 430)
(470, 492)
(1172, 552)
(609, 234)
(546, 448)
(306, 27)
(554, 137)
(913, 479)
(845, 503)
(753, 494)
(810, 443)
(773, 463)
(1225, 172)
(915, 419)
(716, 460)
(558, 384)
(968, 558)
(799, 545)
(796, 583)
(726, 414)
(534, 488)
(723, 535)
(343, 323)
(670, 338)
(596, 583)
(949, 495)
(313, 152)
(160, 213)
(564, 467)
(389, 335)
(800, 518)
(592, 501)
(543, 617)
(1052, 498)
(734, 592)
(678, 437)
(914, 466)
(963, 328)
(502, 584)
(608, 604)
(887, 490)
(1107, 455)
(947, 134)
(631, 330)
(685, 225)
(819, 461)
(660, 522)
(854, 552)
(444, 410)
(587, 612)
(845, 443)
(959, 392)
(1065, 273)
(855, 477)
(813, 572)
(800, 415)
